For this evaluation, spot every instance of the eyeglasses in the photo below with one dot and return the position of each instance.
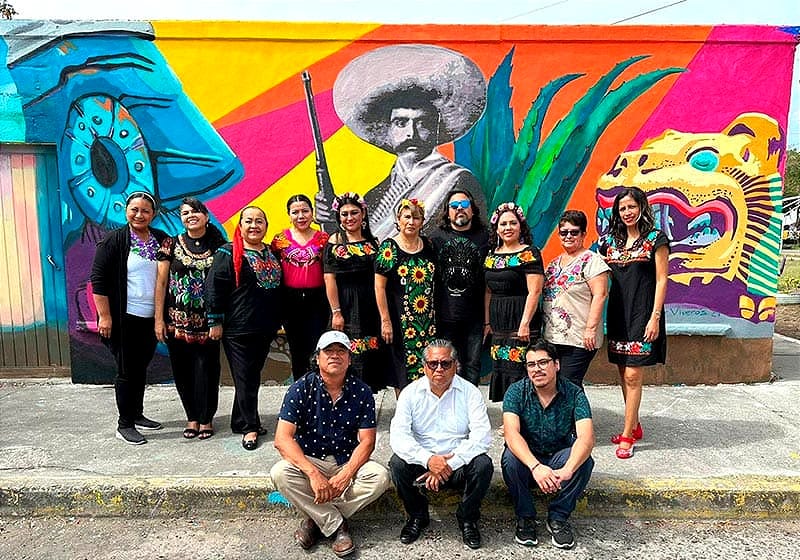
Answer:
(539, 364)
(456, 204)
(569, 232)
(435, 364)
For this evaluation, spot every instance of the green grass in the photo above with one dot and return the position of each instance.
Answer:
(789, 280)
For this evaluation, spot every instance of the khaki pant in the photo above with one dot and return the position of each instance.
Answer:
(370, 482)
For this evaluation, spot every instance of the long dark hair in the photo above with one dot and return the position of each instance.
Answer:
(646, 223)
(525, 237)
(443, 220)
(214, 237)
(300, 197)
(357, 201)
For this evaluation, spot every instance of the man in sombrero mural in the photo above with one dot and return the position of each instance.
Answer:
(409, 99)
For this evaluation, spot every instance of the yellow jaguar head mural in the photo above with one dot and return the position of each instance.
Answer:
(717, 196)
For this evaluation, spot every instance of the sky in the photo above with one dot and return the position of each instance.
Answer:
(549, 12)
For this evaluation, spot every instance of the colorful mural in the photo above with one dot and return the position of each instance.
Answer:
(551, 117)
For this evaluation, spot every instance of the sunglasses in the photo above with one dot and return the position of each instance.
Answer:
(569, 232)
(456, 204)
(434, 364)
(538, 364)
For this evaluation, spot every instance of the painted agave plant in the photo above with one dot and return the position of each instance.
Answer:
(539, 174)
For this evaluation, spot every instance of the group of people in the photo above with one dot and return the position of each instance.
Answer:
(408, 312)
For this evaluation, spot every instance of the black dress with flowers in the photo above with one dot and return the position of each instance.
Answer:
(630, 300)
(506, 278)
(353, 263)
(409, 293)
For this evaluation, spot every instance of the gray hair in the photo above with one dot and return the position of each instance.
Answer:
(441, 343)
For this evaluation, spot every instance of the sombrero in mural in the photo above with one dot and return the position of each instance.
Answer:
(371, 85)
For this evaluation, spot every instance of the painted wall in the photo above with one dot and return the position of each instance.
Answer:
(565, 117)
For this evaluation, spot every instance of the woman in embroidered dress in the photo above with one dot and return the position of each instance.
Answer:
(123, 283)
(181, 319)
(514, 278)
(243, 298)
(575, 289)
(349, 261)
(404, 289)
(299, 249)
(637, 254)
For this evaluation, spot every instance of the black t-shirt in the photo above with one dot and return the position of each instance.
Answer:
(459, 273)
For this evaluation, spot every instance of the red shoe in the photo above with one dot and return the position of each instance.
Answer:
(625, 453)
(637, 434)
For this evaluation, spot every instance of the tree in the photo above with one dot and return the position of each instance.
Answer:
(7, 11)
(791, 180)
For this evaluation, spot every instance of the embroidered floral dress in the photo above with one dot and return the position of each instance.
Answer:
(409, 293)
(185, 313)
(630, 300)
(506, 278)
(353, 263)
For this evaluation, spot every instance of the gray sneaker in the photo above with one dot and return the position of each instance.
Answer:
(146, 424)
(130, 435)
(526, 532)
(562, 533)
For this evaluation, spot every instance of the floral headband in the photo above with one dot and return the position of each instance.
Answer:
(350, 195)
(507, 207)
(409, 202)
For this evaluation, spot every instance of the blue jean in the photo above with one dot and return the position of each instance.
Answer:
(467, 338)
(519, 480)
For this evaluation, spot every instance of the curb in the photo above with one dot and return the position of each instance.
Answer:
(714, 498)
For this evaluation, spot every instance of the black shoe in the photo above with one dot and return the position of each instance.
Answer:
(526, 532)
(412, 529)
(562, 533)
(146, 424)
(130, 435)
(250, 444)
(470, 534)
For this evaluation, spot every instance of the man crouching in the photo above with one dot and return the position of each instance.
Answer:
(326, 434)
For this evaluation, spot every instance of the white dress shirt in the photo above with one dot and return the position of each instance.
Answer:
(425, 425)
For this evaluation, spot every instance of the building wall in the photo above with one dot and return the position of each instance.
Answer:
(695, 115)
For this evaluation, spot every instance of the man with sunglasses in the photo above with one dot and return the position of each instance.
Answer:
(461, 242)
(440, 435)
(547, 425)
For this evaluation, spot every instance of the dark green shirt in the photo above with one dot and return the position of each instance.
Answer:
(551, 429)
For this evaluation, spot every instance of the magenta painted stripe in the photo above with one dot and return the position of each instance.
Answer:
(269, 146)
(710, 94)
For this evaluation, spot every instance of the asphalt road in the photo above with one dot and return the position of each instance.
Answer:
(257, 538)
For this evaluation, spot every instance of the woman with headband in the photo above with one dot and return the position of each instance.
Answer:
(349, 261)
(299, 249)
(404, 269)
(514, 279)
(181, 322)
(123, 285)
(243, 299)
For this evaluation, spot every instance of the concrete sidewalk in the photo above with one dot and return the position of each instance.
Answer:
(708, 451)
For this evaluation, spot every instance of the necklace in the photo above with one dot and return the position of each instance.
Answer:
(405, 247)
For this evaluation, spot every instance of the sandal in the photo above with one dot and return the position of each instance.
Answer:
(190, 433)
(205, 434)
(636, 434)
(623, 453)
(249, 444)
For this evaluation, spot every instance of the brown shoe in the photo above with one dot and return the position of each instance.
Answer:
(342, 541)
(308, 534)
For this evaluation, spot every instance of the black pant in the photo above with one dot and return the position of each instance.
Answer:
(195, 368)
(574, 362)
(306, 314)
(133, 352)
(474, 478)
(467, 338)
(246, 355)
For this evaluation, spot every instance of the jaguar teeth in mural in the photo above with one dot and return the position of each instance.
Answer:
(717, 196)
